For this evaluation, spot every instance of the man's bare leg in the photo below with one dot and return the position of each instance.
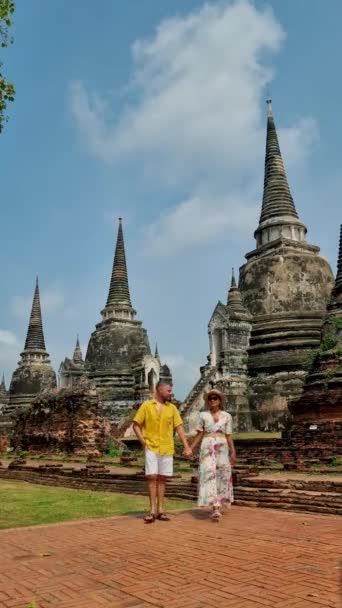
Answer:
(152, 494)
(160, 493)
(160, 498)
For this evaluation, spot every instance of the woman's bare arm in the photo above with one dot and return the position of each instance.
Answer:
(232, 452)
(196, 442)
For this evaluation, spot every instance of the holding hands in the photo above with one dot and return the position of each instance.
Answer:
(187, 452)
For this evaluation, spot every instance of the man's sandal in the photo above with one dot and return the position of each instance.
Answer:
(162, 517)
(149, 518)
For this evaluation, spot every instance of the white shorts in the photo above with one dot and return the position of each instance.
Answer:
(155, 464)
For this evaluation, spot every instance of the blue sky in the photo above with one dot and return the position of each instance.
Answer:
(155, 111)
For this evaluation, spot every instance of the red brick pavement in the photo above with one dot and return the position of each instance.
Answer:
(251, 559)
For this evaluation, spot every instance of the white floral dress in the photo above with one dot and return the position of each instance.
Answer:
(215, 472)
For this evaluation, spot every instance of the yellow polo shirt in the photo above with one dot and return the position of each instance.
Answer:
(158, 429)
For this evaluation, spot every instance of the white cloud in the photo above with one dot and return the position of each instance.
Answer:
(52, 299)
(8, 338)
(196, 122)
(198, 220)
(188, 78)
(296, 141)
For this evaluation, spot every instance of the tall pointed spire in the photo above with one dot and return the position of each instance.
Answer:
(233, 281)
(3, 390)
(336, 294)
(277, 199)
(156, 353)
(77, 356)
(234, 295)
(338, 280)
(236, 309)
(119, 289)
(35, 335)
(279, 218)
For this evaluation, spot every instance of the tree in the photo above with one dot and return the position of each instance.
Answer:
(7, 90)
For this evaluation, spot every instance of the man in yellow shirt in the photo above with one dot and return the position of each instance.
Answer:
(154, 424)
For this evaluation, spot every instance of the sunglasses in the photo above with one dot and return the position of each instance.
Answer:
(214, 399)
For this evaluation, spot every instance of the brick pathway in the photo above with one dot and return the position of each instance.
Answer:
(252, 559)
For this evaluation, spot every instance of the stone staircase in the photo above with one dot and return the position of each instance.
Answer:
(195, 392)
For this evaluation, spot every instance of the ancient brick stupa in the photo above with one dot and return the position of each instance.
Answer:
(119, 360)
(67, 420)
(285, 286)
(317, 414)
(34, 372)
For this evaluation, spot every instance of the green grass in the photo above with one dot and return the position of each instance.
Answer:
(24, 504)
(258, 435)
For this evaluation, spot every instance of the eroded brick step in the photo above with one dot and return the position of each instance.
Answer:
(311, 485)
(137, 487)
(310, 508)
(322, 501)
(286, 490)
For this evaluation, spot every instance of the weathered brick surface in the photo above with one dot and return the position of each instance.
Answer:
(251, 559)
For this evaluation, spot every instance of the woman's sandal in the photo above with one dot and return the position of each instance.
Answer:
(149, 518)
(216, 515)
(162, 517)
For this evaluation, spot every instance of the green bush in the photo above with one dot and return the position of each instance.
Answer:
(336, 461)
(311, 359)
(112, 451)
(328, 343)
(336, 322)
(19, 453)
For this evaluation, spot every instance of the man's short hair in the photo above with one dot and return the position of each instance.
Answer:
(162, 382)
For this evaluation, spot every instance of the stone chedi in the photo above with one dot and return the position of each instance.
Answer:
(317, 414)
(4, 397)
(164, 370)
(72, 371)
(229, 332)
(5, 418)
(34, 372)
(285, 286)
(119, 360)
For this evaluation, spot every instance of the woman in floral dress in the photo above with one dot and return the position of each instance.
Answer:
(217, 455)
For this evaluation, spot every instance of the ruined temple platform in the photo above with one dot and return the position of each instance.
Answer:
(311, 491)
(251, 559)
